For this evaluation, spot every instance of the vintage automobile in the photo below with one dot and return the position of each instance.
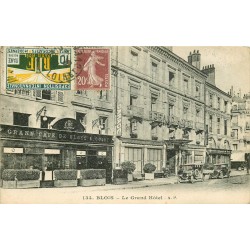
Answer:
(190, 172)
(220, 171)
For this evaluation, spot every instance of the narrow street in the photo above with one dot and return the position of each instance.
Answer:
(233, 190)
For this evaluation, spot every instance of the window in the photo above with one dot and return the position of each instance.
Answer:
(235, 133)
(225, 127)
(185, 113)
(134, 59)
(46, 94)
(51, 95)
(235, 146)
(170, 109)
(133, 96)
(153, 103)
(154, 133)
(81, 117)
(103, 95)
(133, 129)
(21, 119)
(235, 120)
(103, 125)
(210, 123)
(155, 157)
(225, 106)
(81, 92)
(186, 86)
(198, 114)
(218, 103)
(134, 155)
(171, 78)
(154, 70)
(197, 92)
(218, 125)
(211, 100)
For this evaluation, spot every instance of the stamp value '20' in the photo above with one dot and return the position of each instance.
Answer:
(92, 69)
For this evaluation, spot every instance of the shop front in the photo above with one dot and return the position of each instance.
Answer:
(217, 156)
(50, 149)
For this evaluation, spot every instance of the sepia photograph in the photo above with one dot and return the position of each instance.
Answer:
(125, 124)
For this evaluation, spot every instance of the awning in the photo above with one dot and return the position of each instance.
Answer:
(238, 156)
(177, 142)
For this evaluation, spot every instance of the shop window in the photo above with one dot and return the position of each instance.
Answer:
(134, 59)
(134, 155)
(171, 78)
(155, 157)
(103, 125)
(154, 70)
(20, 119)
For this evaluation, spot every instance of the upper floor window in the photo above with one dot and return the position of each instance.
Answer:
(52, 95)
(171, 78)
(170, 109)
(211, 100)
(153, 103)
(133, 96)
(198, 115)
(133, 129)
(103, 95)
(134, 59)
(225, 127)
(197, 92)
(81, 117)
(154, 71)
(81, 92)
(218, 125)
(225, 106)
(21, 119)
(218, 103)
(235, 120)
(210, 123)
(186, 86)
(185, 113)
(103, 125)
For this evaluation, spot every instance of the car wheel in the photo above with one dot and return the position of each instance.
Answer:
(192, 179)
(221, 175)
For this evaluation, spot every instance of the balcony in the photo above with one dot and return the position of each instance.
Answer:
(185, 136)
(173, 121)
(156, 116)
(154, 137)
(188, 124)
(135, 111)
(199, 127)
(133, 135)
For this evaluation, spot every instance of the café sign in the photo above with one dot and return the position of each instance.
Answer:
(26, 133)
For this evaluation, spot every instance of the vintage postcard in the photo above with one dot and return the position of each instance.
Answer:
(125, 124)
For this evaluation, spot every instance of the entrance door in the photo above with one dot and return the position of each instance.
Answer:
(171, 153)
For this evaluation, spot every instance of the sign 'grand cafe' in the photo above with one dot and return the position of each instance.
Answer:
(63, 146)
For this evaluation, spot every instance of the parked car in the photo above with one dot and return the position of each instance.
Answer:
(190, 172)
(220, 171)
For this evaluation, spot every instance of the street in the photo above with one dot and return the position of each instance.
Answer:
(233, 190)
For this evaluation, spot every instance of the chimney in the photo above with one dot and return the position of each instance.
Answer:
(210, 72)
(195, 59)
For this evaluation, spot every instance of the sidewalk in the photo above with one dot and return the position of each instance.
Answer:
(150, 183)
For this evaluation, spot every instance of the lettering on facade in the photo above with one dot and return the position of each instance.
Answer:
(119, 120)
(16, 132)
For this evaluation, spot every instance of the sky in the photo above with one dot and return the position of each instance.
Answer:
(232, 65)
